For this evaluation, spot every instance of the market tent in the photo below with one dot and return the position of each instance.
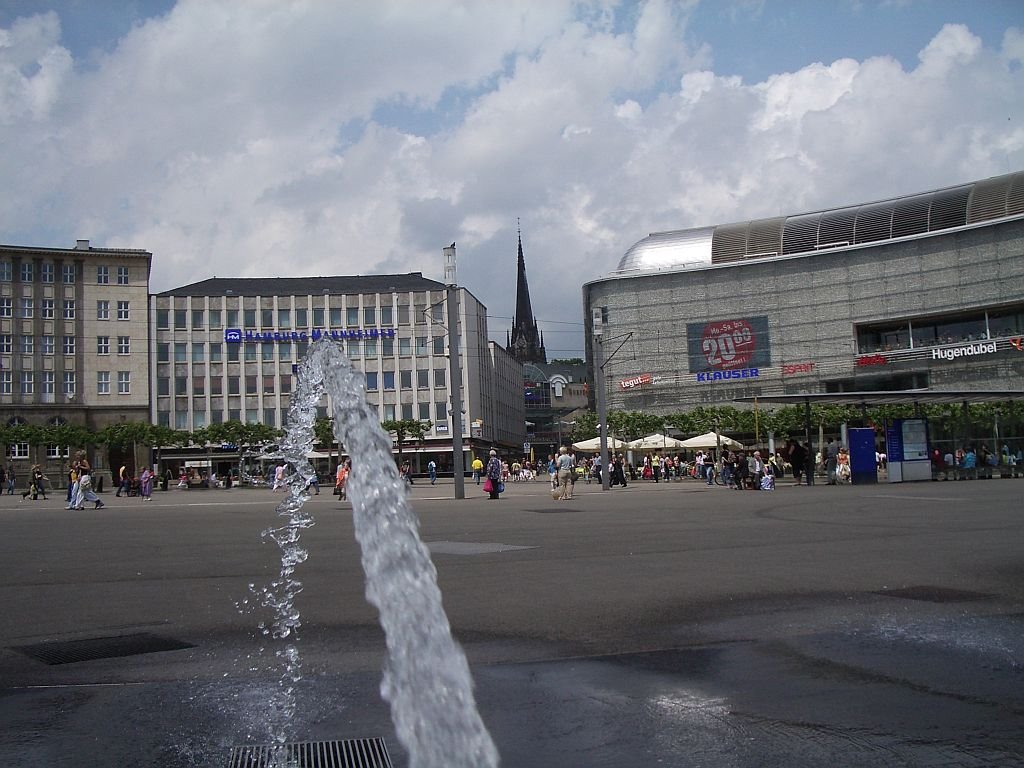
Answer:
(655, 441)
(711, 440)
(594, 444)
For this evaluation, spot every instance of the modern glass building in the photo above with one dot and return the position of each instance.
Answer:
(920, 291)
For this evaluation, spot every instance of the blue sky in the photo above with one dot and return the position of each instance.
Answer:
(250, 137)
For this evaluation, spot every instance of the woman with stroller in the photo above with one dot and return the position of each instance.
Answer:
(36, 480)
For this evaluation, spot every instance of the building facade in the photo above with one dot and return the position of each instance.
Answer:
(224, 349)
(74, 342)
(922, 291)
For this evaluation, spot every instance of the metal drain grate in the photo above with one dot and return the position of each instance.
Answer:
(935, 594)
(89, 649)
(348, 753)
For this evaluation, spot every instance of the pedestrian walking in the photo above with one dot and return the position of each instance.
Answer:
(432, 471)
(146, 485)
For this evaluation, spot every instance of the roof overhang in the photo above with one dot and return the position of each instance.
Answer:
(899, 397)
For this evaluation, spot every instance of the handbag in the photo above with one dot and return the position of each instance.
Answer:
(488, 485)
(501, 487)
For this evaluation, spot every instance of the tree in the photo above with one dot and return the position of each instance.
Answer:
(629, 425)
(323, 432)
(404, 428)
(586, 427)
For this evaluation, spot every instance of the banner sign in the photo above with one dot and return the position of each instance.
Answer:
(237, 335)
(727, 345)
(636, 381)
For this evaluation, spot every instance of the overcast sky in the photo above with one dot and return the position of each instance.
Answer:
(319, 137)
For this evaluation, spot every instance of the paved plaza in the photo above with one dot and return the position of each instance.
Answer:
(670, 624)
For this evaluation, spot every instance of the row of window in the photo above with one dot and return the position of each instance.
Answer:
(200, 352)
(267, 384)
(48, 382)
(283, 318)
(26, 344)
(47, 273)
(20, 451)
(27, 308)
(252, 415)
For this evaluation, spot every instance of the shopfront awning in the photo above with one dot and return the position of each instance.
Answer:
(899, 397)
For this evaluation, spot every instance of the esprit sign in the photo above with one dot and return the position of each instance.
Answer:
(978, 348)
(792, 368)
(636, 381)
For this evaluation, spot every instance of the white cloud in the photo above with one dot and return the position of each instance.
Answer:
(249, 138)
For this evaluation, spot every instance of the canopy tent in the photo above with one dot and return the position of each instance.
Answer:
(594, 444)
(655, 441)
(712, 440)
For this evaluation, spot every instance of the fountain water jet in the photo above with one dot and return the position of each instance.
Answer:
(426, 677)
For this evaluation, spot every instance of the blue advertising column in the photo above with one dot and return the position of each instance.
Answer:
(863, 469)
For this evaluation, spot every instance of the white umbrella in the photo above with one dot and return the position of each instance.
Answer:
(711, 440)
(594, 444)
(655, 441)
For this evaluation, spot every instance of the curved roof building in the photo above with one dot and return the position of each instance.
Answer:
(891, 294)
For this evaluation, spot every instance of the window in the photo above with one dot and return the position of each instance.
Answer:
(27, 382)
(267, 318)
(405, 379)
(163, 318)
(369, 316)
(181, 420)
(424, 409)
(69, 345)
(164, 419)
(68, 273)
(267, 352)
(440, 377)
(386, 314)
(389, 380)
(403, 314)
(122, 275)
(28, 308)
(234, 414)
(353, 346)
(284, 318)
(437, 313)
(27, 344)
(102, 382)
(335, 318)
(252, 416)
(406, 410)
(163, 385)
(232, 318)
(47, 272)
(250, 318)
(124, 345)
(198, 386)
(180, 318)
(233, 388)
(49, 309)
(102, 275)
(69, 309)
(216, 385)
(284, 350)
(389, 413)
(351, 316)
(286, 384)
(370, 347)
(198, 318)
(6, 344)
(270, 417)
(180, 352)
(268, 385)
(102, 345)
(387, 347)
(6, 307)
(49, 383)
(6, 382)
(122, 310)
(421, 345)
(233, 352)
(250, 350)
(103, 310)
(199, 419)
(405, 346)
(5, 271)
(27, 271)
(301, 348)
(250, 385)
(301, 318)
(441, 411)
(69, 383)
(49, 344)
(180, 386)
(163, 353)
(19, 451)
(54, 451)
(198, 353)
(438, 348)
(422, 379)
(124, 382)
(371, 381)
(215, 318)
(318, 318)
(215, 352)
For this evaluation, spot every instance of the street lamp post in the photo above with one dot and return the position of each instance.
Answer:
(597, 318)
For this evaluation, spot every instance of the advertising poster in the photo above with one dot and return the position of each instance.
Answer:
(726, 345)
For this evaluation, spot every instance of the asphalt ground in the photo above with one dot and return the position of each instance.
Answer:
(670, 624)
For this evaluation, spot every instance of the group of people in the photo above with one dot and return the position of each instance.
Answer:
(968, 463)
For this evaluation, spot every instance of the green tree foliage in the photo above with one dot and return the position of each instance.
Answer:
(404, 429)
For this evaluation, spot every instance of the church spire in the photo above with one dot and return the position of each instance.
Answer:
(526, 344)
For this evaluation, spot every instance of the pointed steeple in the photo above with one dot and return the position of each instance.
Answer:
(526, 344)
